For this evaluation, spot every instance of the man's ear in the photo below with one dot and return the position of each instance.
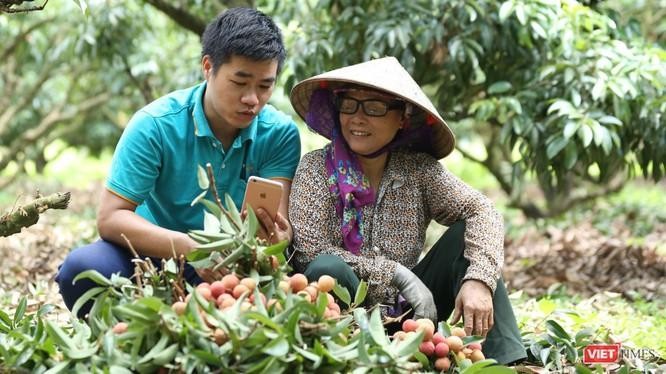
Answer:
(207, 66)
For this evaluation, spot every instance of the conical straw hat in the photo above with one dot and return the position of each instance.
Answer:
(387, 75)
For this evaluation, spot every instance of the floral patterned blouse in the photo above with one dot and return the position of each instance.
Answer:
(414, 189)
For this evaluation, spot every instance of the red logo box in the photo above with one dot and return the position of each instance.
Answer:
(601, 353)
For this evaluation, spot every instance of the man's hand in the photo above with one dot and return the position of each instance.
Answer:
(210, 275)
(475, 304)
(415, 292)
(206, 274)
(273, 231)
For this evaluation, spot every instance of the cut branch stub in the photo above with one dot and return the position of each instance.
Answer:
(28, 214)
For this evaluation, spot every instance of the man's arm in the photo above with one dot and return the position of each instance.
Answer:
(117, 216)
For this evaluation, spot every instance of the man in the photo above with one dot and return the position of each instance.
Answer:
(223, 121)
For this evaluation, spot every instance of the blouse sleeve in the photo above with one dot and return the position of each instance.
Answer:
(313, 219)
(448, 200)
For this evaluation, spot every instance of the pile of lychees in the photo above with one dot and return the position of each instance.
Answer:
(441, 349)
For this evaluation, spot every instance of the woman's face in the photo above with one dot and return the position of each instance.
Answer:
(365, 133)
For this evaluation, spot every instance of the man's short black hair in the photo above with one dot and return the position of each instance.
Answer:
(243, 32)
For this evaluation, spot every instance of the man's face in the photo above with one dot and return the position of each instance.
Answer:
(237, 91)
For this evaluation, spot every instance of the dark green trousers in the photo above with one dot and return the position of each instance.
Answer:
(442, 271)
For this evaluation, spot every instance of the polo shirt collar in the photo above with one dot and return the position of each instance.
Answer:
(202, 127)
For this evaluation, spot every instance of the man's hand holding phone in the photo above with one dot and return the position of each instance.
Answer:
(264, 196)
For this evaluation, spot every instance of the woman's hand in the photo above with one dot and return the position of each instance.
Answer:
(415, 292)
(273, 231)
(475, 304)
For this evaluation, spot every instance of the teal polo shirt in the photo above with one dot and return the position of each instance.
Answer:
(155, 162)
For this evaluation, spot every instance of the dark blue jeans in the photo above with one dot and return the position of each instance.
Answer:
(105, 257)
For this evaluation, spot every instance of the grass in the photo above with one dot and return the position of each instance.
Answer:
(638, 324)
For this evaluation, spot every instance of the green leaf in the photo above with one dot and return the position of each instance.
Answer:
(266, 321)
(377, 329)
(582, 369)
(252, 223)
(213, 209)
(207, 357)
(544, 354)
(585, 134)
(94, 276)
(599, 90)
(59, 336)
(211, 223)
(199, 198)
(570, 129)
(211, 236)
(115, 369)
(81, 353)
(443, 328)
(277, 248)
(58, 368)
(505, 10)
(361, 292)
(555, 147)
(562, 107)
(497, 369)
(202, 177)
(570, 156)
(85, 298)
(219, 245)
(538, 29)
(520, 14)
(411, 344)
(600, 133)
(83, 5)
(556, 329)
(277, 347)
(233, 210)
(342, 293)
(155, 350)
(20, 311)
(165, 356)
(233, 257)
(309, 355)
(610, 120)
(4, 318)
(499, 87)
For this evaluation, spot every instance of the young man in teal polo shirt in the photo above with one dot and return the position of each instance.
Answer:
(223, 121)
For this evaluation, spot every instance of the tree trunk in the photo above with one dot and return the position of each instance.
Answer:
(28, 214)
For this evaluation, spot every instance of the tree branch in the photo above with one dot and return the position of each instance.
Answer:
(181, 16)
(28, 215)
(28, 97)
(9, 49)
(49, 122)
(143, 85)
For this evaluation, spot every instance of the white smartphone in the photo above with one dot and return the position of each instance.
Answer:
(263, 193)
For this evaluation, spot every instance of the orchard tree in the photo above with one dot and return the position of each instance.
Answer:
(76, 77)
(550, 88)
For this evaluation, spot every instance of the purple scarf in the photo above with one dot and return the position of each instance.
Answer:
(346, 180)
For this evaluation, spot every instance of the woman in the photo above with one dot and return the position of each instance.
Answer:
(360, 206)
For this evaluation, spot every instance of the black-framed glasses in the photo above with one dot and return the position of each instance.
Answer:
(371, 107)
